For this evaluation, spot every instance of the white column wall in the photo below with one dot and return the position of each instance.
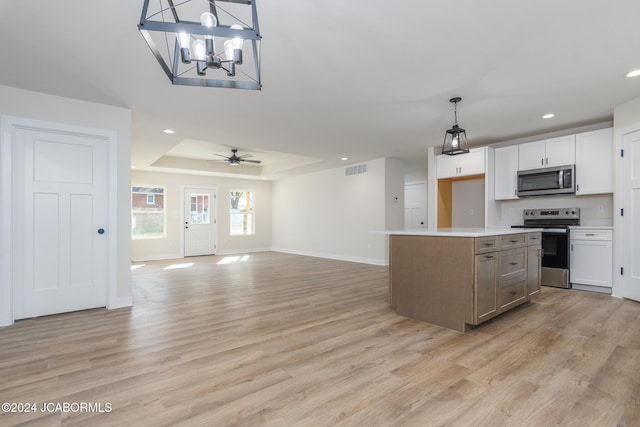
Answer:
(48, 108)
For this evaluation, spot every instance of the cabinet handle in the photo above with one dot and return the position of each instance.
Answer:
(577, 187)
(589, 234)
(541, 162)
(546, 161)
(513, 292)
(488, 244)
(489, 256)
(513, 241)
(513, 263)
(572, 247)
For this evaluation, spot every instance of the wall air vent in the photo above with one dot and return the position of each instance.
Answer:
(355, 170)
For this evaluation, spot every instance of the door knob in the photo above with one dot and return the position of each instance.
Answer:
(100, 230)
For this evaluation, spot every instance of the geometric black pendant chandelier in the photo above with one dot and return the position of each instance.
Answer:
(455, 139)
(211, 43)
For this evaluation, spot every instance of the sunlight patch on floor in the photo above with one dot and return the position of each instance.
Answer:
(232, 259)
(175, 266)
(137, 266)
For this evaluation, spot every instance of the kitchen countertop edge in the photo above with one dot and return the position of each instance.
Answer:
(462, 232)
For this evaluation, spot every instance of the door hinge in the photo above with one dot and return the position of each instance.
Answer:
(622, 152)
(621, 271)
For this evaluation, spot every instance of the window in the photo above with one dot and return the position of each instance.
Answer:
(199, 209)
(241, 214)
(147, 212)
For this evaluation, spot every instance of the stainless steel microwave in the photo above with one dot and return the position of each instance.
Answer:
(546, 181)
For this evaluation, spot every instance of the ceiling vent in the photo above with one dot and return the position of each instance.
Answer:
(355, 170)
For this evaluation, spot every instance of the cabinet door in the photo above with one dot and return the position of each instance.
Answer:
(561, 151)
(472, 163)
(531, 155)
(485, 292)
(506, 173)
(534, 263)
(591, 263)
(594, 162)
(447, 166)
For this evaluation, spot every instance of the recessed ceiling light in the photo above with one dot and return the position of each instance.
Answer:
(634, 73)
(548, 116)
(344, 158)
(169, 131)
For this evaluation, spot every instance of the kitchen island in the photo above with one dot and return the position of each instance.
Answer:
(460, 277)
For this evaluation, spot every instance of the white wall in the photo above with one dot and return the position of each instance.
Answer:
(47, 108)
(172, 245)
(468, 203)
(331, 215)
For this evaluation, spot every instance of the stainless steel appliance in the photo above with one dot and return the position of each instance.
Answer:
(555, 241)
(546, 181)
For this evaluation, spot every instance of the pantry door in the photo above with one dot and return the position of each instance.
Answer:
(60, 218)
(631, 218)
(199, 221)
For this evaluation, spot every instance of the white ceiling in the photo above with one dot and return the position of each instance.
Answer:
(361, 79)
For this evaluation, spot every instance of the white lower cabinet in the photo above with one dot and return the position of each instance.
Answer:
(591, 259)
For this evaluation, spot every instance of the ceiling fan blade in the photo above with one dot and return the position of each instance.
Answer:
(245, 156)
(251, 161)
(216, 154)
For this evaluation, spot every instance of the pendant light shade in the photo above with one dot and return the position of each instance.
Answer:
(455, 139)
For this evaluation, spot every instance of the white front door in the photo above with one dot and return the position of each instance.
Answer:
(199, 221)
(60, 216)
(631, 218)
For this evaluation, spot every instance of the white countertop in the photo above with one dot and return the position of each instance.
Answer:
(463, 232)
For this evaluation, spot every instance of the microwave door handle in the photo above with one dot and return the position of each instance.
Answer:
(561, 179)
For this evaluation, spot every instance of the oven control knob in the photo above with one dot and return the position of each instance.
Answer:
(526, 213)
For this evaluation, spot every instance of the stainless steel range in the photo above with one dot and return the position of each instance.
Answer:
(555, 241)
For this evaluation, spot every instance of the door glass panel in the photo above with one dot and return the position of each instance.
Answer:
(200, 209)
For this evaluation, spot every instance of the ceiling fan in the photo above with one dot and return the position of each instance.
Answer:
(234, 159)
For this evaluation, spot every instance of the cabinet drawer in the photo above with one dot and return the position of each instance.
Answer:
(486, 244)
(577, 234)
(511, 293)
(512, 263)
(513, 241)
(534, 238)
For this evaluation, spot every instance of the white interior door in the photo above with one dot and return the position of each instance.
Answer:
(631, 219)
(415, 205)
(199, 221)
(60, 216)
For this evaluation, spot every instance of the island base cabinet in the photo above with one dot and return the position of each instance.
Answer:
(457, 282)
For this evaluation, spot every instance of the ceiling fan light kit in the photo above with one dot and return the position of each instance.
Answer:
(202, 42)
(455, 139)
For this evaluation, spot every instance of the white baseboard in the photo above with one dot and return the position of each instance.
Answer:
(156, 257)
(242, 251)
(361, 260)
(122, 302)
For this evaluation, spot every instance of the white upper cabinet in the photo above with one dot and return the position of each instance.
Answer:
(594, 162)
(460, 165)
(506, 172)
(551, 152)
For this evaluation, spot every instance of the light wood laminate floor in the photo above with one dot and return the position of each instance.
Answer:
(272, 339)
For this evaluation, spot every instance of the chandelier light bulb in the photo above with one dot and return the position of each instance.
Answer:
(236, 44)
(199, 50)
(208, 19)
(455, 142)
(183, 41)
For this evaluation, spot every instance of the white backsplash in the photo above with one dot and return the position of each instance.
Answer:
(594, 210)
